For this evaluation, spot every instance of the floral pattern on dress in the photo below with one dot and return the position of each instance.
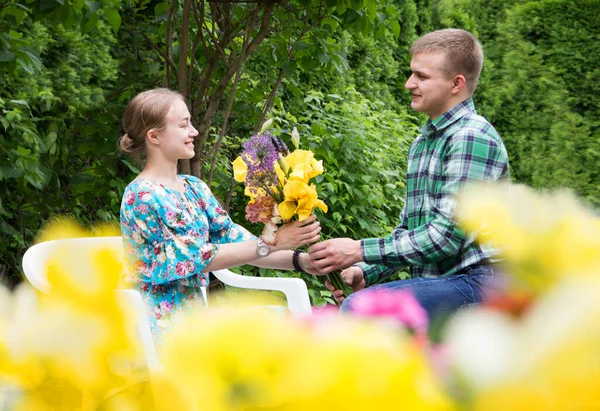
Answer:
(169, 238)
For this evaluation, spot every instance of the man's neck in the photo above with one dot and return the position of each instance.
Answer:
(450, 105)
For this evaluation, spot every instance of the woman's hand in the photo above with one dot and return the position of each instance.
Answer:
(297, 233)
(304, 261)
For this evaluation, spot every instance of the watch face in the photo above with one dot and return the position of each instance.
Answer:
(263, 250)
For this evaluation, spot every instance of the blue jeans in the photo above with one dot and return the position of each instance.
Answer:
(439, 295)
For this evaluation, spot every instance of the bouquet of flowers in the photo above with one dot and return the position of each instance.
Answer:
(278, 182)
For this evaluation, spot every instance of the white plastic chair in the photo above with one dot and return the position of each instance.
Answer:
(36, 258)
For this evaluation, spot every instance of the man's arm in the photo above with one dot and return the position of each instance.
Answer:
(339, 253)
(471, 156)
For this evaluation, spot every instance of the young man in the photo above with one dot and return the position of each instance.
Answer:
(455, 146)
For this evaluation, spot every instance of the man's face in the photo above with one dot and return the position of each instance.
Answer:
(429, 84)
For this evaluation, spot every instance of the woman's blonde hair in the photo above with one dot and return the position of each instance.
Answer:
(148, 110)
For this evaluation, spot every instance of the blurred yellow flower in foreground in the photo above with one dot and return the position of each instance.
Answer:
(547, 359)
(75, 338)
(299, 198)
(238, 359)
(543, 237)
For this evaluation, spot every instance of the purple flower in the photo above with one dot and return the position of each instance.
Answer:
(260, 154)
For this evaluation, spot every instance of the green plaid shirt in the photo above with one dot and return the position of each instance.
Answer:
(456, 147)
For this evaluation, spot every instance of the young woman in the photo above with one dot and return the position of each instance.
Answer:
(174, 230)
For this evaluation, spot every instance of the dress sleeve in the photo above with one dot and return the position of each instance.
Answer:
(162, 245)
(222, 229)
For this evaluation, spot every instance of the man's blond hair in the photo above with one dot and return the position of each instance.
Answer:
(464, 54)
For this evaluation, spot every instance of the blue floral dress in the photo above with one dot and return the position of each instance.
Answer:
(169, 238)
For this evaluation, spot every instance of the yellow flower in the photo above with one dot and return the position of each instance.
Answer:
(77, 337)
(300, 199)
(303, 166)
(280, 174)
(254, 193)
(543, 237)
(264, 360)
(240, 169)
(546, 359)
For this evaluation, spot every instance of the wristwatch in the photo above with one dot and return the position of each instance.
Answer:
(262, 248)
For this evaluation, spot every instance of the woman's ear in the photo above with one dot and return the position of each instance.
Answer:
(459, 83)
(152, 137)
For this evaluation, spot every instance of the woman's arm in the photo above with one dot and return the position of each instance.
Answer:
(282, 260)
(289, 236)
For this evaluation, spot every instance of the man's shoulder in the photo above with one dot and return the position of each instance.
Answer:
(474, 125)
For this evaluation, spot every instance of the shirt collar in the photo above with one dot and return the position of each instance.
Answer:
(449, 117)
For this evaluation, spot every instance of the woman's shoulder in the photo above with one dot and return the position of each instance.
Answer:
(144, 190)
(196, 183)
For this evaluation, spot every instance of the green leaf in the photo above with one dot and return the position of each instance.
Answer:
(300, 46)
(395, 26)
(331, 22)
(371, 8)
(114, 18)
(90, 24)
(161, 8)
(351, 17)
(131, 166)
(34, 59)
(23, 151)
(309, 63)
(6, 55)
(20, 102)
(324, 58)
(17, 12)
(93, 6)
(288, 67)
(25, 66)
(15, 34)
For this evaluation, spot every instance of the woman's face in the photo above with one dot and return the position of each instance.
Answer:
(177, 137)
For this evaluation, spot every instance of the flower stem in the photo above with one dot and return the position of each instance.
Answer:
(338, 283)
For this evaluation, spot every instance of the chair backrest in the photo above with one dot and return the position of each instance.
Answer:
(36, 259)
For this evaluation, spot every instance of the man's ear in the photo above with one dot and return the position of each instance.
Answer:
(152, 137)
(459, 83)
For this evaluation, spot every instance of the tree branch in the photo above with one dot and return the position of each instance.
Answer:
(161, 52)
(217, 146)
(183, 47)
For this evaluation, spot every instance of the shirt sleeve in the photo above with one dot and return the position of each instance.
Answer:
(375, 273)
(158, 253)
(471, 156)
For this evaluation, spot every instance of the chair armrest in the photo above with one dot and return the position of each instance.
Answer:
(294, 289)
(132, 302)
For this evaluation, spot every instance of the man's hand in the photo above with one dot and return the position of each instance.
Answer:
(334, 254)
(353, 276)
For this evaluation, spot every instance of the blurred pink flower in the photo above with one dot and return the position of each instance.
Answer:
(400, 305)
